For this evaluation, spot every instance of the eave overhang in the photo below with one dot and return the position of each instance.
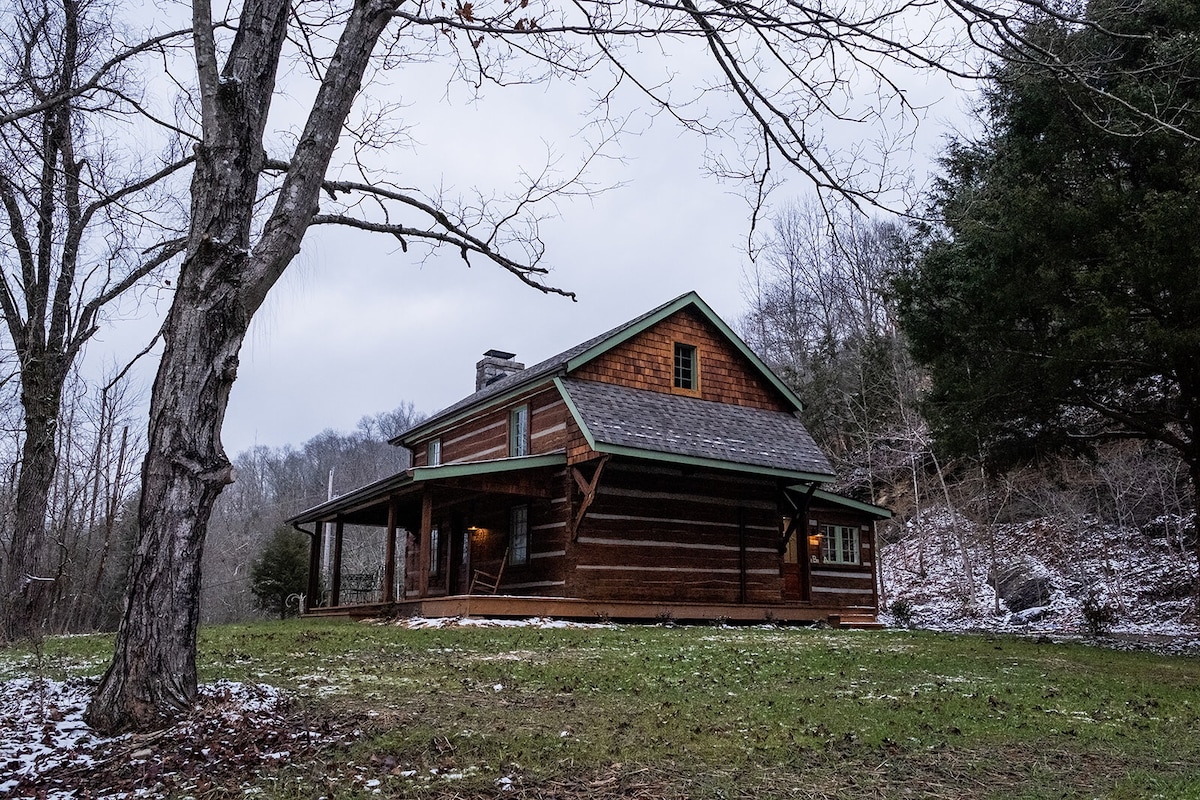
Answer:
(879, 512)
(680, 459)
(412, 479)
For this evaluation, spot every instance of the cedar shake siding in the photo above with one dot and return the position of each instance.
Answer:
(647, 362)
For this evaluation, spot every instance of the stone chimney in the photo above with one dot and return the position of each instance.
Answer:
(496, 364)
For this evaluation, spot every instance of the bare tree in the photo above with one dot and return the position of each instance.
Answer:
(73, 211)
(777, 77)
(234, 254)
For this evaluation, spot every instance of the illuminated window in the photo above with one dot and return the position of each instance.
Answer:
(686, 368)
(839, 544)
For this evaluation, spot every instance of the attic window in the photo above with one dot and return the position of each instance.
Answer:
(687, 368)
(435, 453)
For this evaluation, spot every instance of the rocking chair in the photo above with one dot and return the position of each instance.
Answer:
(487, 582)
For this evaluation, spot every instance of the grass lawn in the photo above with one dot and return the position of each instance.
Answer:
(704, 712)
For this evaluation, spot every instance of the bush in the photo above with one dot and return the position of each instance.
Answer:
(902, 611)
(1098, 614)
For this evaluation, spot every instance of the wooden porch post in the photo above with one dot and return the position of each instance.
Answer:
(313, 598)
(426, 533)
(389, 556)
(335, 592)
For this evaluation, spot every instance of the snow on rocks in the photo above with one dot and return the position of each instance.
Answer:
(1144, 577)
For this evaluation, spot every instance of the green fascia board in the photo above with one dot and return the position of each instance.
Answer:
(469, 468)
(354, 499)
(689, 299)
(710, 463)
(839, 500)
(574, 410)
(378, 491)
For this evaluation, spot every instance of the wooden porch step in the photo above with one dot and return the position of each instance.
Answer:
(859, 621)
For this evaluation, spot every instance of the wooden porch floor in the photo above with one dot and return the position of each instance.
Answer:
(509, 606)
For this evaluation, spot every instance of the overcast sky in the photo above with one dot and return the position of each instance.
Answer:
(356, 327)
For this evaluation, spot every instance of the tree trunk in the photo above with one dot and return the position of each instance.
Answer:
(221, 284)
(153, 673)
(1194, 472)
(28, 567)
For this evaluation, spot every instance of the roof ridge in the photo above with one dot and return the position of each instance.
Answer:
(539, 370)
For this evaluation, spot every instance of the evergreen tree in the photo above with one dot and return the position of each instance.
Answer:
(1057, 304)
(281, 571)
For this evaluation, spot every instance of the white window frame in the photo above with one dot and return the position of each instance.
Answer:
(433, 453)
(841, 544)
(518, 431)
(518, 536)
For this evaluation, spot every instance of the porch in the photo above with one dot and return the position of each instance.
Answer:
(584, 610)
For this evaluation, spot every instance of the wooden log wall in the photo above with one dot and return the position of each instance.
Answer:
(485, 437)
(487, 519)
(654, 533)
(647, 361)
(845, 585)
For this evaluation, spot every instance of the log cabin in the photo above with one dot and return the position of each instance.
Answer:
(657, 471)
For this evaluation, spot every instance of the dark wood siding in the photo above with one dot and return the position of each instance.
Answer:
(844, 585)
(486, 519)
(485, 437)
(647, 361)
(654, 534)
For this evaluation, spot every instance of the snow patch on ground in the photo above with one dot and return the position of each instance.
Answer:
(418, 623)
(47, 750)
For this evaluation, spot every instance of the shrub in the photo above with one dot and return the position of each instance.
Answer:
(902, 611)
(1098, 614)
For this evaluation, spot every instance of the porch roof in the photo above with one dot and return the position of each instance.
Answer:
(410, 480)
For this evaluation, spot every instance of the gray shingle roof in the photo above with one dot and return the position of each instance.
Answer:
(529, 374)
(686, 426)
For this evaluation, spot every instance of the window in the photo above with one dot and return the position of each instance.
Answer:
(518, 431)
(518, 536)
(435, 559)
(686, 368)
(839, 544)
(434, 453)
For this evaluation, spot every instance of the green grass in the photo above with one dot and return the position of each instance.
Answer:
(709, 712)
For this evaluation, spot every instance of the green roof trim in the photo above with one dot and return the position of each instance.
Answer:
(680, 303)
(857, 505)
(468, 468)
(710, 463)
(380, 490)
(574, 411)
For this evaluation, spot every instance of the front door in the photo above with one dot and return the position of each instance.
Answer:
(796, 578)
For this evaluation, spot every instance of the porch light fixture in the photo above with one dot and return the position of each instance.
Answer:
(814, 540)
